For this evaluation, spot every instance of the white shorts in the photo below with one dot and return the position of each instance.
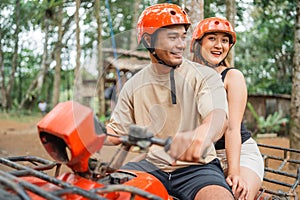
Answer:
(250, 157)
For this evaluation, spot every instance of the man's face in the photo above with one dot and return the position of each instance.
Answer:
(170, 44)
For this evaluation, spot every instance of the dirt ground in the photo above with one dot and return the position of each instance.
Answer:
(21, 138)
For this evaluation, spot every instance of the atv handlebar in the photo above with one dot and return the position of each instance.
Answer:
(139, 136)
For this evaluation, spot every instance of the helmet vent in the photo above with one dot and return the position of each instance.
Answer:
(217, 22)
(173, 12)
(227, 24)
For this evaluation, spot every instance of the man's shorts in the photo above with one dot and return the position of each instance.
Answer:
(184, 183)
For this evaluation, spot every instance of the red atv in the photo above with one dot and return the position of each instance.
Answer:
(71, 135)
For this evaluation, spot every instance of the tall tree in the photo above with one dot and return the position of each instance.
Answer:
(230, 15)
(100, 67)
(57, 54)
(133, 40)
(77, 79)
(36, 85)
(295, 98)
(195, 10)
(11, 80)
(2, 76)
(7, 90)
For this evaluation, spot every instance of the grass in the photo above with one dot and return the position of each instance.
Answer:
(20, 116)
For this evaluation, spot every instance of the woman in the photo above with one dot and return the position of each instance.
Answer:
(242, 161)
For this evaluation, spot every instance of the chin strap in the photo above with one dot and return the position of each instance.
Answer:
(206, 62)
(173, 88)
(202, 60)
(160, 61)
(172, 78)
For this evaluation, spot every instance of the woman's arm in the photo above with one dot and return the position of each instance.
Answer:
(237, 98)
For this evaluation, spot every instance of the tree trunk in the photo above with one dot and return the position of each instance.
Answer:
(133, 37)
(230, 15)
(195, 10)
(57, 52)
(77, 79)
(14, 65)
(295, 98)
(3, 100)
(101, 74)
(6, 101)
(36, 86)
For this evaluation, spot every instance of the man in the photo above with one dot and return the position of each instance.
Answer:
(42, 107)
(178, 98)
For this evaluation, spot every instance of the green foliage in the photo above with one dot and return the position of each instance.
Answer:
(218, 8)
(104, 119)
(264, 51)
(270, 124)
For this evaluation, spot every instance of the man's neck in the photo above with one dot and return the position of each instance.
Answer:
(160, 69)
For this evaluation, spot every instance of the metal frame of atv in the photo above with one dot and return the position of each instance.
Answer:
(11, 179)
(291, 192)
(17, 167)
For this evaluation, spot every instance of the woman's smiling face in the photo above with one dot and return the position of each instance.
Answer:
(215, 47)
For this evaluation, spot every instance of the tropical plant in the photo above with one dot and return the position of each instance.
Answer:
(270, 124)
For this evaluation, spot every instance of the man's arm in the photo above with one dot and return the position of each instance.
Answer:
(191, 145)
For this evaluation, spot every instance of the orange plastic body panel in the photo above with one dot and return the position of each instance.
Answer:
(74, 124)
(71, 179)
(148, 183)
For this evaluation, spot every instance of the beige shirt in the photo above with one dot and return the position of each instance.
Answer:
(145, 100)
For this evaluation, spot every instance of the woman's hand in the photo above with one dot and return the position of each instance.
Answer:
(239, 186)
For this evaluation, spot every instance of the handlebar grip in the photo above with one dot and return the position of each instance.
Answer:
(168, 143)
(161, 142)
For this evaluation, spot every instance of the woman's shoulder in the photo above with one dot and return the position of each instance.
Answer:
(234, 79)
(232, 73)
(195, 68)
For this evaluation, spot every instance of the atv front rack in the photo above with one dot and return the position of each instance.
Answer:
(282, 185)
(285, 173)
(14, 187)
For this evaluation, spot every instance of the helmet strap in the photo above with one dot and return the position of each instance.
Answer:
(173, 88)
(207, 63)
(203, 60)
(151, 49)
(160, 61)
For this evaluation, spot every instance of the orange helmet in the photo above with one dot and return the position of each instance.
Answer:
(212, 24)
(160, 15)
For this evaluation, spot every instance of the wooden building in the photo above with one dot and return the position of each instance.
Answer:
(117, 70)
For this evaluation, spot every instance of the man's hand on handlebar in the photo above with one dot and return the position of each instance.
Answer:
(111, 140)
(187, 146)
